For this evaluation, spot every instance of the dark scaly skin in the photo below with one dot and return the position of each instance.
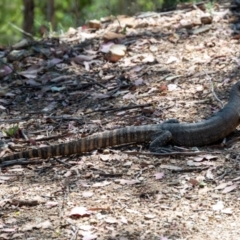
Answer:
(202, 133)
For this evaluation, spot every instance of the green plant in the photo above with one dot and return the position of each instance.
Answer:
(10, 132)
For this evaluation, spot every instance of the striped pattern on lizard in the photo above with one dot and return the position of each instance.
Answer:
(202, 133)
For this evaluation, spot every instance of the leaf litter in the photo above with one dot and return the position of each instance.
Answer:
(89, 81)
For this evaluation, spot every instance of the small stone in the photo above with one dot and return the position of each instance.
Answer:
(206, 19)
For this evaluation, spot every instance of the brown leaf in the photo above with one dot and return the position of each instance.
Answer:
(96, 24)
(110, 36)
(80, 212)
(194, 182)
(116, 52)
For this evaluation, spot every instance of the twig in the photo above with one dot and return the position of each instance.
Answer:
(21, 161)
(120, 108)
(13, 120)
(212, 89)
(193, 169)
(165, 154)
(69, 118)
(46, 138)
(95, 81)
(62, 162)
(20, 30)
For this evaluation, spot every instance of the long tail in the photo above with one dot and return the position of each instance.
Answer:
(116, 137)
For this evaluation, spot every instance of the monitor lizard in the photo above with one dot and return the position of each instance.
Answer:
(201, 133)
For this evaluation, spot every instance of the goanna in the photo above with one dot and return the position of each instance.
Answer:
(202, 133)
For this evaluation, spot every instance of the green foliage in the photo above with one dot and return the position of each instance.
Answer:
(10, 132)
(210, 6)
(69, 14)
(115, 7)
(10, 12)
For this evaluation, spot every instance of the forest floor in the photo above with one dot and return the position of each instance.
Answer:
(162, 66)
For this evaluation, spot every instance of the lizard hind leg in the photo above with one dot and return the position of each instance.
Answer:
(159, 140)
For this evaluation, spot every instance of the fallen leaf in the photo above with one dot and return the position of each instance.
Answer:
(85, 227)
(172, 59)
(159, 175)
(116, 52)
(44, 225)
(194, 182)
(81, 58)
(105, 48)
(88, 236)
(110, 36)
(230, 188)
(128, 182)
(51, 204)
(172, 87)
(95, 24)
(87, 194)
(227, 210)
(80, 212)
(111, 220)
(104, 157)
(53, 62)
(8, 230)
(101, 184)
(221, 186)
(218, 206)
(209, 173)
(32, 82)
(124, 220)
(170, 167)
(149, 216)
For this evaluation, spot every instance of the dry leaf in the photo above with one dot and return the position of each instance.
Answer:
(159, 175)
(128, 182)
(194, 182)
(109, 36)
(218, 206)
(101, 184)
(111, 220)
(51, 204)
(87, 194)
(170, 167)
(230, 188)
(80, 212)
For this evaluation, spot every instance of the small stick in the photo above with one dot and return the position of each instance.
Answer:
(120, 108)
(212, 89)
(165, 154)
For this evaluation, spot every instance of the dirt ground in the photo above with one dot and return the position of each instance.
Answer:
(174, 65)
